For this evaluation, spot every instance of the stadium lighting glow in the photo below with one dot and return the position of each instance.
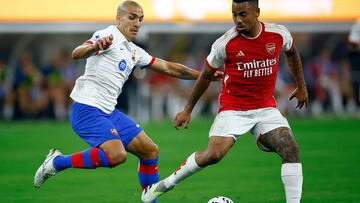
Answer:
(164, 9)
(298, 8)
(179, 10)
(193, 11)
(200, 8)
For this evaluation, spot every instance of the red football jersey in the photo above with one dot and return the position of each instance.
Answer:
(250, 66)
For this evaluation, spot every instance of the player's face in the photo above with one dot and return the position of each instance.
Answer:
(129, 21)
(245, 17)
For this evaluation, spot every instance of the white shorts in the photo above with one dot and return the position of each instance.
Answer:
(258, 122)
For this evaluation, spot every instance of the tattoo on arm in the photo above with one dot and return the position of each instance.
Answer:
(201, 85)
(295, 65)
(175, 70)
(186, 73)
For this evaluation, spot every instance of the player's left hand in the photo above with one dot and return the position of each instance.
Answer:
(218, 75)
(104, 43)
(301, 95)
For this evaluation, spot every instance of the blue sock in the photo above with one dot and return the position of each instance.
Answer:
(89, 159)
(148, 172)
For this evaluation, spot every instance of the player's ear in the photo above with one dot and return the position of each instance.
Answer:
(257, 11)
(118, 17)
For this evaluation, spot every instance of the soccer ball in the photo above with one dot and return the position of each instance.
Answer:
(220, 199)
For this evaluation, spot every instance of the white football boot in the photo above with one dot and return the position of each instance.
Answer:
(46, 170)
(152, 192)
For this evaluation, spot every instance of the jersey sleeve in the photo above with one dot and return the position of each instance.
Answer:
(354, 36)
(216, 58)
(288, 41)
(99, 34)
(144, 59)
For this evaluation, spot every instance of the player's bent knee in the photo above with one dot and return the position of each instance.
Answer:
(153, 152)
(118, 157)
(149, 153)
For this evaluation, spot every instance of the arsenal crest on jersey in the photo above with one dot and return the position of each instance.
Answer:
(270, 47)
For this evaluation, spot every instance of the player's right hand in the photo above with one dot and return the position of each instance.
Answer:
(104, 43)
(182, 118)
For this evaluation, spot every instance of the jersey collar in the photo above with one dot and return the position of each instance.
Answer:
(121, 37)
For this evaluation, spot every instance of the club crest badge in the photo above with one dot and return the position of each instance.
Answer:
(114, 131)
(122, 65)
(270, 47)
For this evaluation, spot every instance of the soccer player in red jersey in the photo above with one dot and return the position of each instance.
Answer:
(249, 53)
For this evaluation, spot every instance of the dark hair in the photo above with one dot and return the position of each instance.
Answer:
(252, 2)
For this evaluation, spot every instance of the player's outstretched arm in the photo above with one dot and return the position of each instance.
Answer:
(172, 69)
(201, 85)
(87, 49)
(300, 92)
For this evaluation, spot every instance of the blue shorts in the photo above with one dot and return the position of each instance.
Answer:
(96, 127)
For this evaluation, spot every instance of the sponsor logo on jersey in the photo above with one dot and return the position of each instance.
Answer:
(257, 68)
(114, 131)
(122, 65)
(240, 54)
(270, 47)
(254, 64)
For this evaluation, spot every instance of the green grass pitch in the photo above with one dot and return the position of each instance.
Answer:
(330, 153)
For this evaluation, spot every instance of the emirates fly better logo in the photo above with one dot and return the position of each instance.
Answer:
(257, 68)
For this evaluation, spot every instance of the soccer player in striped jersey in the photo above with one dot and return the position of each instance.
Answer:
(249, 53)
(110, 58)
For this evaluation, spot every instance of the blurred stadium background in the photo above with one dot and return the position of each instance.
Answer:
(37, 74)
